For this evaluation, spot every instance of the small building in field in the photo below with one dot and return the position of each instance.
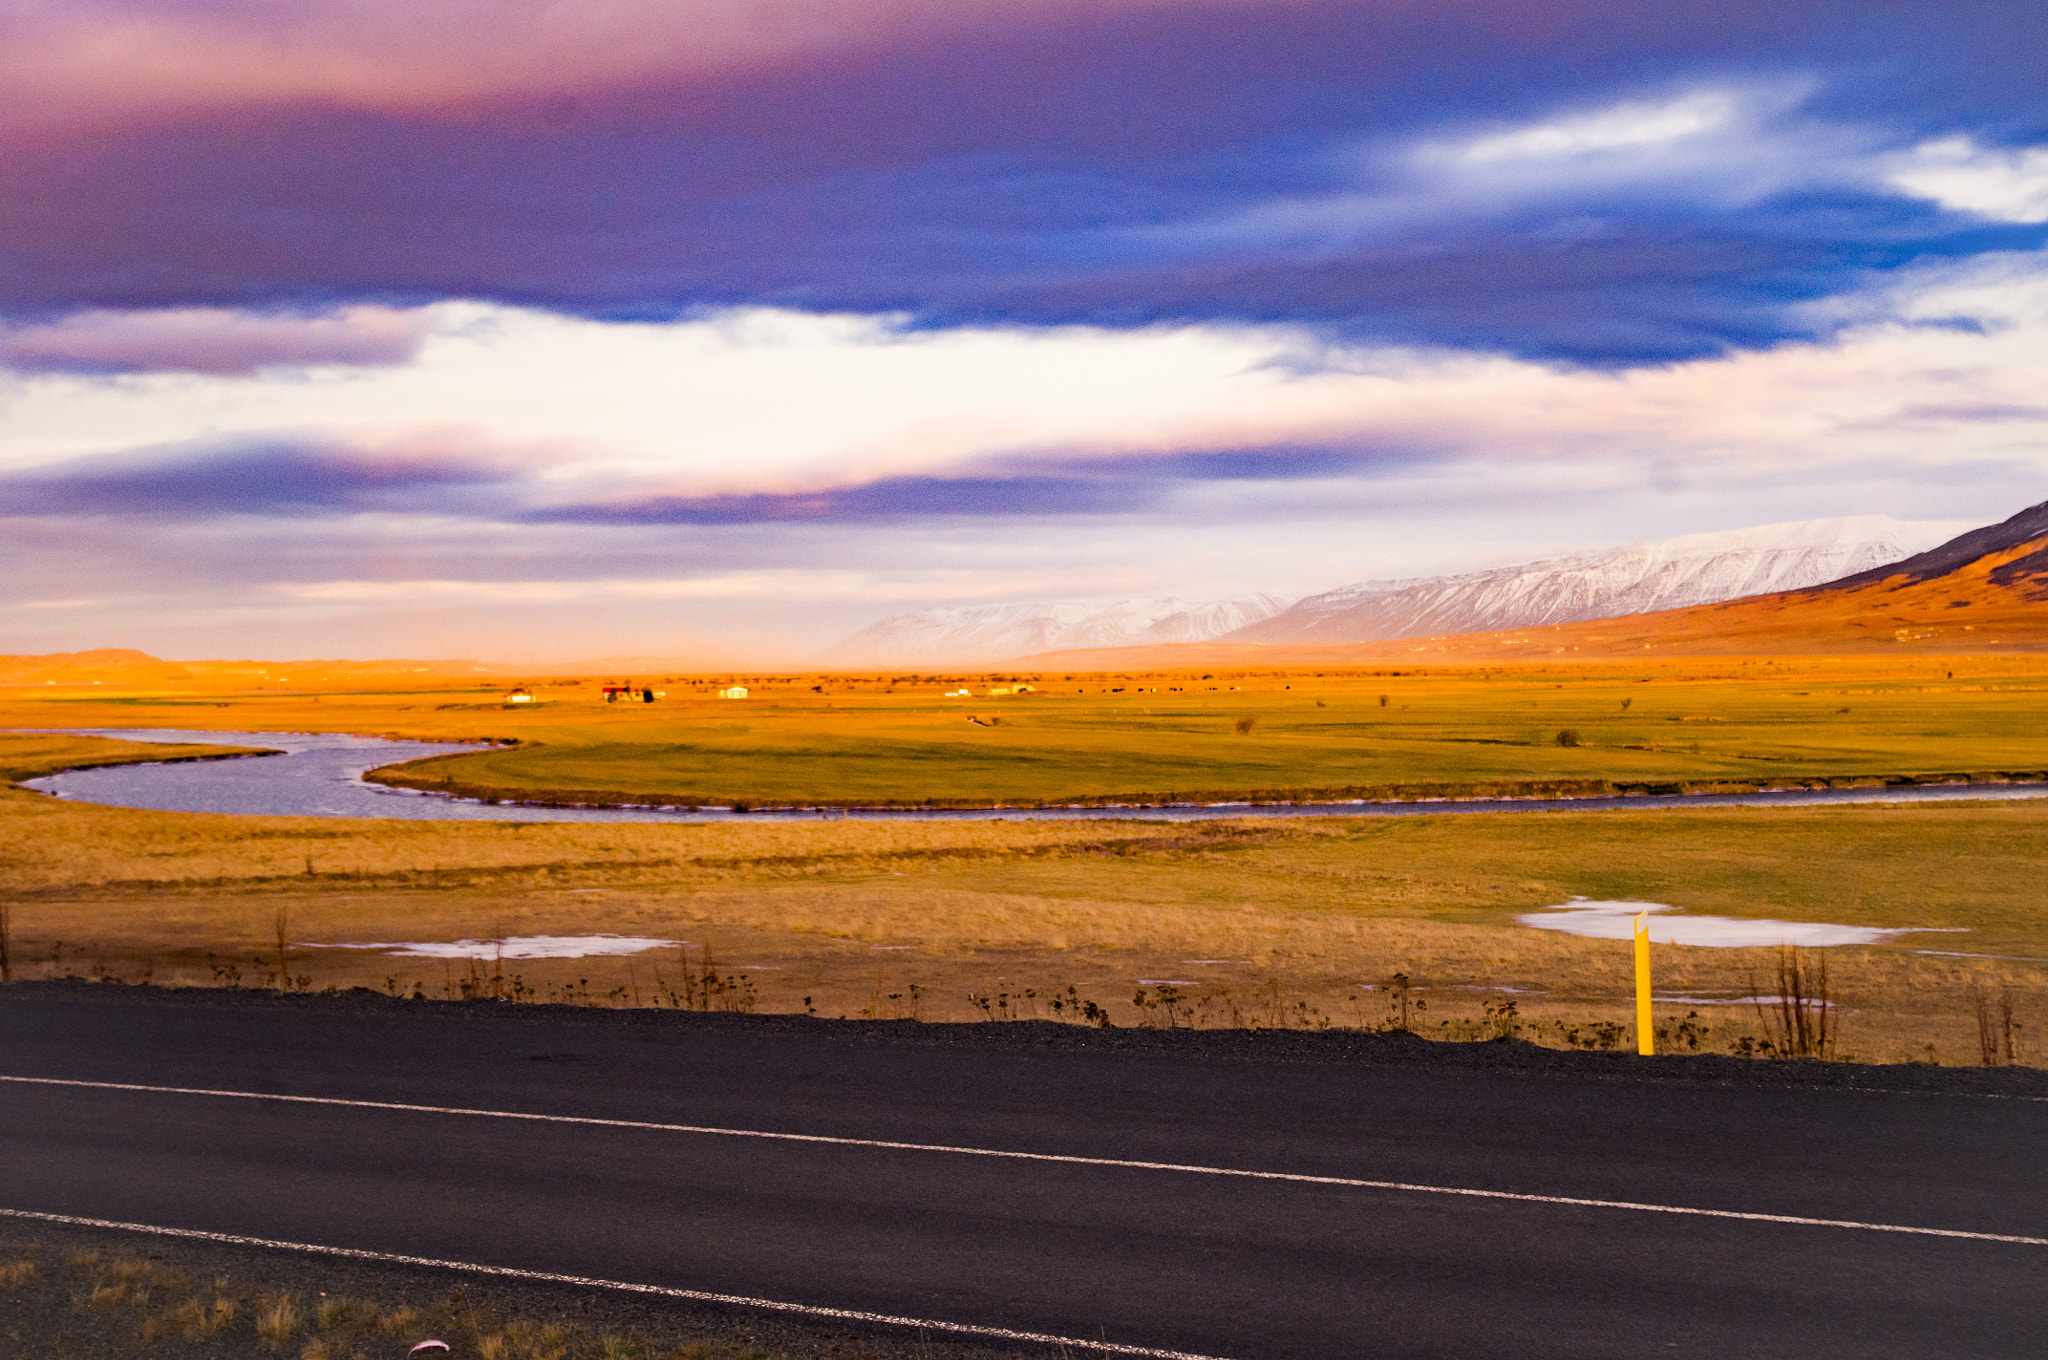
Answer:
(519, 696)
(736, 692)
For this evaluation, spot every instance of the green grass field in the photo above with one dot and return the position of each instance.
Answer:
(1082, 739)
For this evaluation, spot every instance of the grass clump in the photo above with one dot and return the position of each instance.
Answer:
(21, 1270)
(341, 1311)
(192, 1320)
(398, 1322)
(278, 1319)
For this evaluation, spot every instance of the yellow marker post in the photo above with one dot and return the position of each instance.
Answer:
(1646, 1037)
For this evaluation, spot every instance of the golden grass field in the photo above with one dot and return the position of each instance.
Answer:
(1150, 736)
(1254, 920)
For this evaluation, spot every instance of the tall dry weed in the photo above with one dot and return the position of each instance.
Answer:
(1995, 1028)
(1802, 1020)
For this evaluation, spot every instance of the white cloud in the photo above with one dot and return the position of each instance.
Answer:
(1625, 125)
(1723, 145)
(748, 401)
(2006, 186)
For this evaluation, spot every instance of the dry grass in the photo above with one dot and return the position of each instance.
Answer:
(1301, 921)
(160, 1303)
(398, 1322)
(278, 1320)
(193, 1320)
(1295, 922)
(341, 1311)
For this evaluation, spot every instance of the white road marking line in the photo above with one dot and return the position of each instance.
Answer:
(1185, 1168)
(547, 1277)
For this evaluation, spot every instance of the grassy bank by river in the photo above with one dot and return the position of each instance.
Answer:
(31, 755)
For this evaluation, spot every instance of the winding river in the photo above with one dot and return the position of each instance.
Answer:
(321, 775)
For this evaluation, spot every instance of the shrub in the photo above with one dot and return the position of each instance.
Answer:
(1568, 737)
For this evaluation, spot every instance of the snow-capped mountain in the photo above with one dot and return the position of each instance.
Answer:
(979, 634)
(1638, 578)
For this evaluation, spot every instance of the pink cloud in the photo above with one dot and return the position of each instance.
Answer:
(211, 340)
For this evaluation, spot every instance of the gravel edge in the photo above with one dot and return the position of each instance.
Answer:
(1350, 1047)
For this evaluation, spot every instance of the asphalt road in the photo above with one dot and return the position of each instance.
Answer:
(1212, 1265)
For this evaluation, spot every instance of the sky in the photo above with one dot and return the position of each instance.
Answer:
(716, 330)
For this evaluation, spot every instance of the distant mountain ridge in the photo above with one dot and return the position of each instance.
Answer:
(124, 663)
(978, 634)
(1982, 593)
(1636, 578)
(2028, 526)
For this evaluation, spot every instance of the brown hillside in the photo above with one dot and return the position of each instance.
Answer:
(109, 664)
(1950, 600)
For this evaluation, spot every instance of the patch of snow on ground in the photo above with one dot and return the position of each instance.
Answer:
(1692, 999)
(516, 947)
(1615, 921)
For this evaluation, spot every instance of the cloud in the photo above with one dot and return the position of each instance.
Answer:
(1632, 124)
(1973, 411)
(1587, 181)
(804, 584)
(567, 487)
(2002, 184)
(284, 476)
(773, 421)
(887, 498)
(457, 475)
(1015, 486)
(210, 340)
